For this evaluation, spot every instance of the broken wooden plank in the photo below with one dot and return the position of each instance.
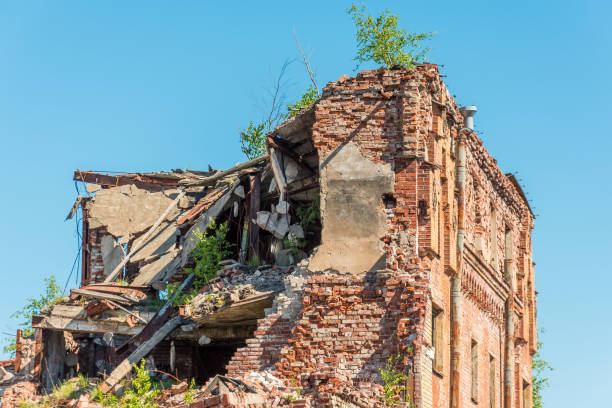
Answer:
(107, 180)
(202, 205)
(254, 207)
(99, 307)
(282, 146)
(155, 323)
(80, 322)
(76, 205)
(127, 311)
(18, 351)
(141, 351)
(135, 293)
(111, 277)
(100, 295)
(222, 174)
(277, 170)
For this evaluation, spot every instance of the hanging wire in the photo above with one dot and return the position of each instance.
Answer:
(77, 234)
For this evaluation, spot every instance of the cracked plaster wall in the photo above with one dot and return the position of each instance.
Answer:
(352, 215)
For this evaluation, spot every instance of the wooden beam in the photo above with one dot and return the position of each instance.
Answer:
(141, 351)
(75, 318)
(18, 351)
(254, 207)
(277, 170)
(218, 176)
(111, 277)
(279, 145)
(138, 180)
(100, 295)
(160, 318)
(76, 205)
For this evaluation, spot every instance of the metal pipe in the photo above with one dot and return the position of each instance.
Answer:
(468, 113)
(455, 379)
(509, 351)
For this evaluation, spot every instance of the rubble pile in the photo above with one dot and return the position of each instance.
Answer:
(18, 393)
(258, 389)
(236, 282)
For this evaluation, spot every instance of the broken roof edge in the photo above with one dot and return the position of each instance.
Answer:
(519, 189)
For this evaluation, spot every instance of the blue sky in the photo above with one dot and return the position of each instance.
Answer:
(141, 86)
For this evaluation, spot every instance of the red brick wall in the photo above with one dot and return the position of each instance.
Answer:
(262, 351)
(350, 324)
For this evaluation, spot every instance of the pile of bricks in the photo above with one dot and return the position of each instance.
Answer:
(19, 393)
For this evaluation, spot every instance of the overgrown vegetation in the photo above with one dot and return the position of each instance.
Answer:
(139, 393)
(33, 307)
(394, 382)
(380, 40)
(539, 377)
(70, 389)
(308, 99)
(253, 140)
(309, 215)
(211, 248)
(190, 393)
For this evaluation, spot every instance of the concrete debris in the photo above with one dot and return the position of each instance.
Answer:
(239, 191)
(92, 187)
(204, 340)
(277, 224)
(128, 210)
(289, 256)
(282, 207)
(5, 376)
(297, 231)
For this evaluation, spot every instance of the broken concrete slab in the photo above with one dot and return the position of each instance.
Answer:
(282, 207)
(156, 271)
(159, 243)
(277, 224)
(239, 191)
(128, 210)
(297, 231)
(5, 376)
(112, 253)
(92, 187)
(290, 256)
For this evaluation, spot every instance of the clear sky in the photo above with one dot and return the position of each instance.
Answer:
(143, 86)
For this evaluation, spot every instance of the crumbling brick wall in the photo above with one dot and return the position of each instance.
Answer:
(395, 135)
(349, 327)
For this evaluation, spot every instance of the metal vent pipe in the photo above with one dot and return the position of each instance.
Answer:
(468, 113)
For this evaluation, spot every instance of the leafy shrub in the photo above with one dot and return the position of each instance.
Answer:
(309, 215)
(33, 307)
(209, 251)
(308, 98)
(539, 381)
(394, 382)
(253, 140)
(381, 41)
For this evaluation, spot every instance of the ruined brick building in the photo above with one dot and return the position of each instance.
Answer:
(422, 256)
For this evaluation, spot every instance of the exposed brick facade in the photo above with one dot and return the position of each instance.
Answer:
(440, 227)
